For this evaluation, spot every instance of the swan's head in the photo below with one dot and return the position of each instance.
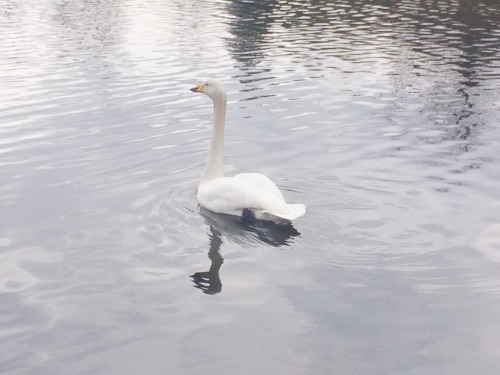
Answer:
(213, 88)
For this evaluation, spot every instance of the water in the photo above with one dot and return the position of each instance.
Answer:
(381, 116)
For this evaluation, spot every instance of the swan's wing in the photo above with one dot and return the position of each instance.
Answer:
(262, 182)
(288, 211)
(229, 195)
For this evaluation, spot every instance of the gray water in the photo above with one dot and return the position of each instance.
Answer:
(381, 116)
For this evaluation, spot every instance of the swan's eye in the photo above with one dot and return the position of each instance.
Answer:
(206, 84)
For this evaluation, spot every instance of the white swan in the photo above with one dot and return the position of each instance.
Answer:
(231, 195)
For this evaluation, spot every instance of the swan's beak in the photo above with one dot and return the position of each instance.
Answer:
(200, 88)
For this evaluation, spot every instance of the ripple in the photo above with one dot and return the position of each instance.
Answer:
(380, 116)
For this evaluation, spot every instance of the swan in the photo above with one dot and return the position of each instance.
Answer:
(245, 193)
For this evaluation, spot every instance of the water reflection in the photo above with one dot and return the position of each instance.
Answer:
(209, 281)
(433, 54)
(245, 231)
(92, 30)
(250, 25)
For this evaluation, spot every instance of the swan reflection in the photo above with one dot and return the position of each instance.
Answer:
(245, 231)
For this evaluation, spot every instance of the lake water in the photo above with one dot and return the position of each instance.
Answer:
(381, 116)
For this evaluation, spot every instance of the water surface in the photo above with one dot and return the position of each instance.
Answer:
(381, 116)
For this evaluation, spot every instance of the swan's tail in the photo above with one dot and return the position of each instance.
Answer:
(293, 211)
(296, 210)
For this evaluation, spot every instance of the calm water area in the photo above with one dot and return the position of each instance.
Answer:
(382, 116)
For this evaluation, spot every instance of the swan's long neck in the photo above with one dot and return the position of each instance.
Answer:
(213, 169)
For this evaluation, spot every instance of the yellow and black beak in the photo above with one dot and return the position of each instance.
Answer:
(200, 88)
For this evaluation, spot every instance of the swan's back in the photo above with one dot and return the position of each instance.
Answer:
(263, 182)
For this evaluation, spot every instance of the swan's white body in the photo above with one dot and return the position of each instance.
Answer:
(231, 195)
